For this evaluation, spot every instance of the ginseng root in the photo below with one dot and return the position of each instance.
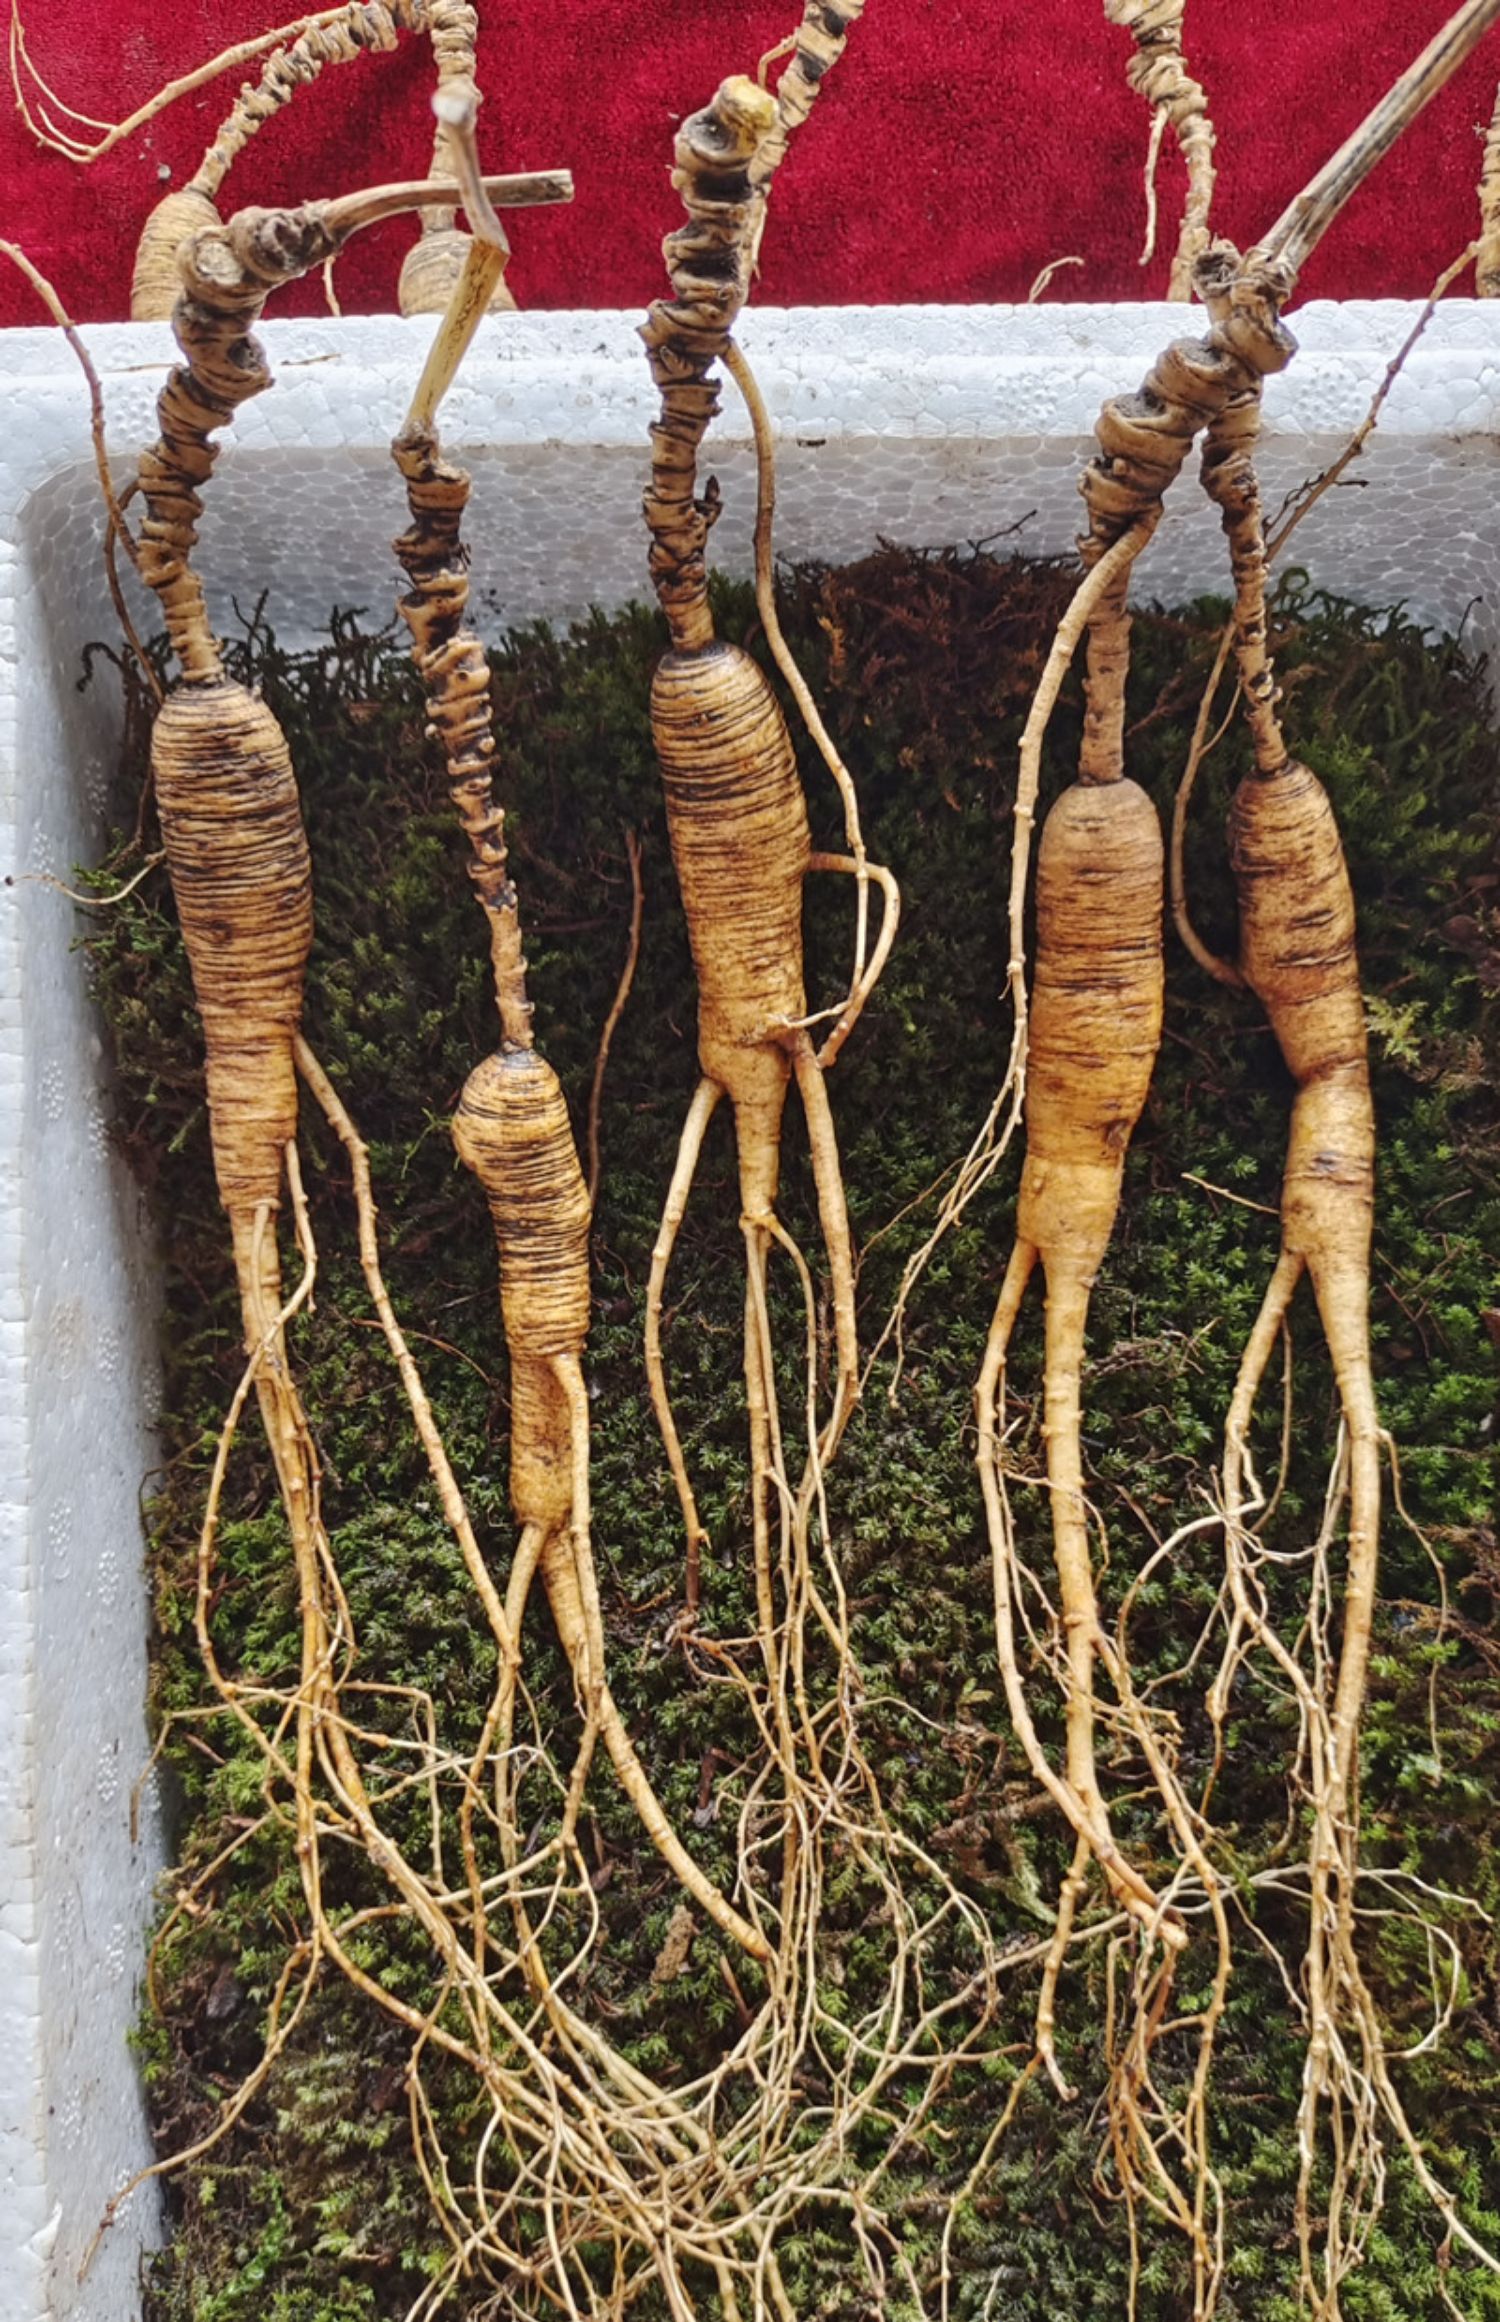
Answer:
(736, 816)
(231, 819)
(1297, 955)
(512, 1127)
(742, 849)
(1091, 1037)
(1096, 1014)
(1092, 1033)
(1081, 1060)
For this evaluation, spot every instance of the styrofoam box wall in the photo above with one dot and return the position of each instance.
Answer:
(920, 425)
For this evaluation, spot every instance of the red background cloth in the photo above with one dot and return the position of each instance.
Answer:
(955, 150)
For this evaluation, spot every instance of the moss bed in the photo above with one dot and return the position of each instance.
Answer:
(311, 2211)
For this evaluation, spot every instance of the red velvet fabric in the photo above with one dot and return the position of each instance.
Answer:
(955, 151)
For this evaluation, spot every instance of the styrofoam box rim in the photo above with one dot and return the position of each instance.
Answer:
(926, 424)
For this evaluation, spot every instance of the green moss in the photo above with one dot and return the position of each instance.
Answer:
(311, 2212)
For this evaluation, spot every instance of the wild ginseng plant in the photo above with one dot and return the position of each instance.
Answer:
(512, 1126)
(735, 810)
(299, 53)
(1082, 1095)
(1297, 957)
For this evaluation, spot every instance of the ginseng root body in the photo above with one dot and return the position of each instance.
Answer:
(739, 832)
(512, 1129)
(237, 853)
(1297, 954)
(1094, 1033)
(740, 845)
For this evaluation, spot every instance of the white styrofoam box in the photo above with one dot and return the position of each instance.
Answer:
(923, 425)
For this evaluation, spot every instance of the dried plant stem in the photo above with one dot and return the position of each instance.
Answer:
(117, 531)
(1303, 223)
(299, 53)
(1223, 971)
(59, 313)
(1310, 493)
(112, 133)
(1158, 72)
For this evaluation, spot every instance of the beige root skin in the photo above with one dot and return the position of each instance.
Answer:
(1302, 224)
(155, 284)
(433, 267)
(556, 2105)
(617, 1008)
(237, 855)
(1158, 72)
(1297, 955)
(816, 46)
